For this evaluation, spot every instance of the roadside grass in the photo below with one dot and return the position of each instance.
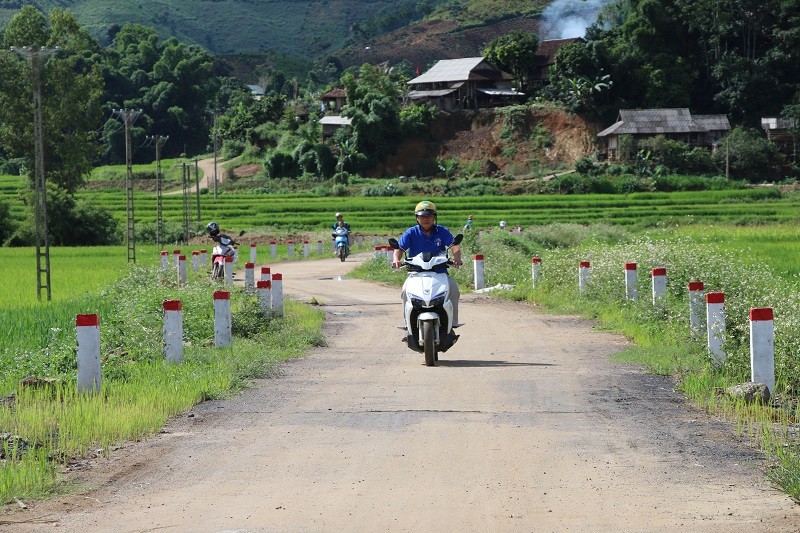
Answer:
(46, 425)
(661, 341)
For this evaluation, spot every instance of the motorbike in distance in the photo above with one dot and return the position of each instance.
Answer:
(341, 242)
(223, 248)
(428, 310)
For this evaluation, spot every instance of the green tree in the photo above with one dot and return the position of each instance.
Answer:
(71, 91)
(515, 53)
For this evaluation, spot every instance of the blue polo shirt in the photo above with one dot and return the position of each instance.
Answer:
(414, 241)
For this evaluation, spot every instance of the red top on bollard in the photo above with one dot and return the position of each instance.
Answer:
(762, 313)
(630, 266)
(173, 305)
(265, 270)
(87, 320)
(203, 250)
(715, 297)
(264, 284)
(536, 260)
(249, 265)
(479, 257)
(659, 271)
(222, 295)
(195, 252)
(164, 252)
(277, 277)
(696, 285)
(181, 258)
(585, 264)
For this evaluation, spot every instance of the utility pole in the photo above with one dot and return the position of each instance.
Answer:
(35, 54)
(215, 155)
(128, 117)
(197, 183)
(186, 189)
(159, 141)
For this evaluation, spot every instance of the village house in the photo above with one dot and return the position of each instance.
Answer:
(333, 101)
(256, 91)
(781, 132)
(467, 83)
(545, 57)
(677, 124)
(331, 123)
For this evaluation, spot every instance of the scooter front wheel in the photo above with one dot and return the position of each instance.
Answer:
(429, 343)
(342, 253)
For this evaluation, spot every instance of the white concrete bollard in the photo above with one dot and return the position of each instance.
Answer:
(164, 260)
(536, 270)
(762, 347)
(235, 254)
(195, 260)
(87, 332)
(631, 282)
(273, 249)
(290, 249)
(319, 248)
(715, 325)
(479, 272)
(375, 240)
(223, 336)
(203, 256)
(360, 240)
(277, 293)
(181, 270)
(253, 252)
(265, 274)
(306, 250)
(173, 331)
(659, 286)
(584, 274)
(175, 255)
(229, 270)
(249, 278)
(696, 309)
(264, 289)
(378, 251)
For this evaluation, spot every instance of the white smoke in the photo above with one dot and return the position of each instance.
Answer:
(569, 18)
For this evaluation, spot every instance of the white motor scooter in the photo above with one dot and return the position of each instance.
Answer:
(428, 311)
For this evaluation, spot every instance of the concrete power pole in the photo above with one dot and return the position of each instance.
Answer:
(35, 54)
(128, 117)
(159, 140)
(215, 155)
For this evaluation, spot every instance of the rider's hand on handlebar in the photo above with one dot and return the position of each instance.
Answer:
(457, 263)
(397, 264)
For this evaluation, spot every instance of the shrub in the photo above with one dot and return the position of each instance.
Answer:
(750, 156)
(280, 165)
(390, 189)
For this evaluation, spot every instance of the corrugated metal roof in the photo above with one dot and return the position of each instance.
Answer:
(664, 121)
(450, 70)
(336, 120)
(712, 122)
(773, 123)
(501, 92)
(414, 95)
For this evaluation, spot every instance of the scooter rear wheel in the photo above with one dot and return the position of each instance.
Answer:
(342, 253)
(429, 343)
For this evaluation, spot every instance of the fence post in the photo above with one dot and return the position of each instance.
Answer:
(273, 250)
(659, 286)
(715, 325)
(584, 274)
(696, 309)
(277, 293)
(265, 295)
(249, 278)
(536, 270)
(479, 272)
(762, 347)
(222, 319)
(87, 331)
(181, 270)
(229, 270)
(631, 282)
(195, 260)
(253, 252)
(173, 331)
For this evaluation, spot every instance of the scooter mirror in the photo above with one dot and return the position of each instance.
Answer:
(241, 233)
(393, 243)
(458, 238)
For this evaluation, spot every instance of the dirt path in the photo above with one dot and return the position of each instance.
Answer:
(525, 425)
(207, 181)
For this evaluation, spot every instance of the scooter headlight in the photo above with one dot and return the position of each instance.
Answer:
(438, 301)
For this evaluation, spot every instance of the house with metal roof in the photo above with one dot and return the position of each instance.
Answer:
(466, 83)
(781, 132)
(256, 91)
(677, 124)
(331, 123)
